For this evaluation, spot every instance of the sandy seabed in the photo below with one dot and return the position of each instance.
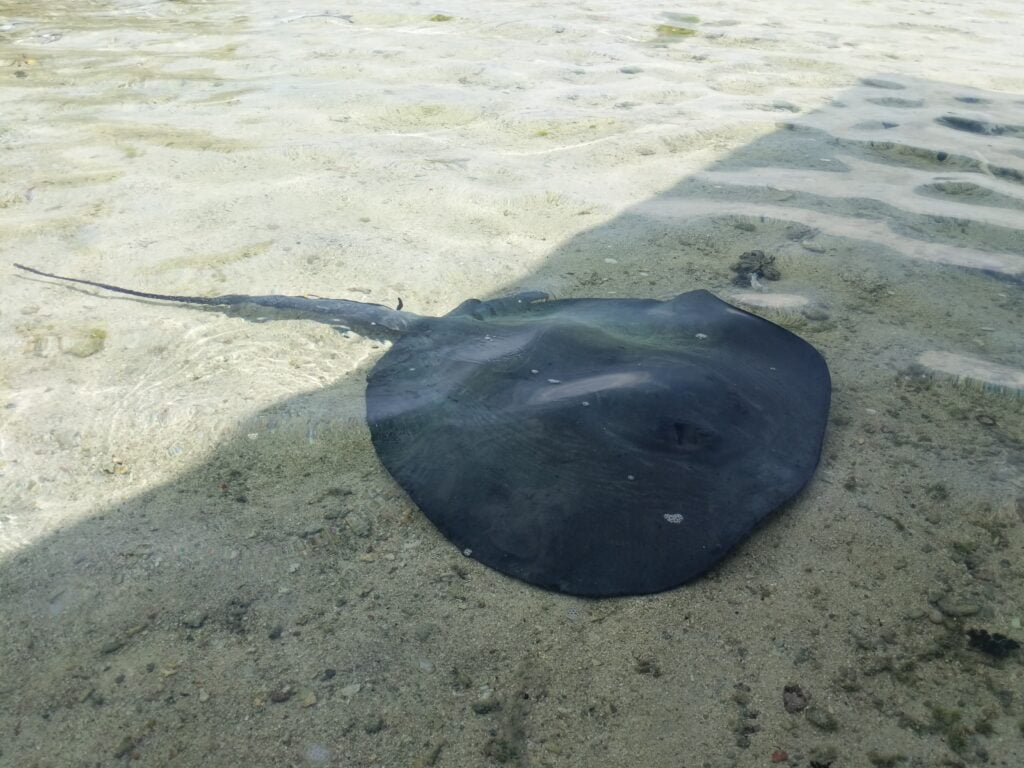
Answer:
(202, 562)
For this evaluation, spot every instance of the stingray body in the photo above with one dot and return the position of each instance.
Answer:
(590, 446)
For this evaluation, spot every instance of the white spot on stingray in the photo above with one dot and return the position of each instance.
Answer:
(631, 477)
(554, 381)
(675, 518)
(467, 552)
(586, 402)
(534, 370)
(590, 386)
(700, 336)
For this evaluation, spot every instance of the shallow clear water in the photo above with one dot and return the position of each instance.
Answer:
(194, 528)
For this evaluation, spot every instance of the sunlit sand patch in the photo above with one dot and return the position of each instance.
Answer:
(11, 537)
(772, 300)
(549, 204)
(839, 226)
(894, 186)
(215, 261)
(555, 132)
(168, 136)
(50, 226)
(66, 178)
(972, 369)
(405, 118)
(226, 97)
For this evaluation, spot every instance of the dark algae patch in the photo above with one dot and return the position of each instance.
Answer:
(670, 30)
(995, 645)
(949, 723)
(683, 18)
(974, 125)
(754, 264)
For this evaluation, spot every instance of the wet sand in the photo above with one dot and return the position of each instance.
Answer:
(202, 562)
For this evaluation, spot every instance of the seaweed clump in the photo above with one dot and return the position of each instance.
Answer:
(995, 645)
(670, 30)
(753, 265)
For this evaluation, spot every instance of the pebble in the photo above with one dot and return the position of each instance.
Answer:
(486, 703)
(956, 607)
(794, 699)
(280, 695)
(318, 753)
(823, 719)
(351, 690)
(424, 631)
(112, 645)
(195, 620)
(358, 524)
(309, 700)
(204, 695)
(430, 756)
(124, 746)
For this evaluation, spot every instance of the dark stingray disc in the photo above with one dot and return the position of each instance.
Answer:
(599, 446)
(592, 446)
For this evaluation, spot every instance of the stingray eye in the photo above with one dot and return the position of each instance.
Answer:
(693, 437)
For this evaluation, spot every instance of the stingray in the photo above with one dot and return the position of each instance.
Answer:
(594, 447)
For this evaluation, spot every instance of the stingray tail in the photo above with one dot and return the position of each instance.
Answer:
(361, 316)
